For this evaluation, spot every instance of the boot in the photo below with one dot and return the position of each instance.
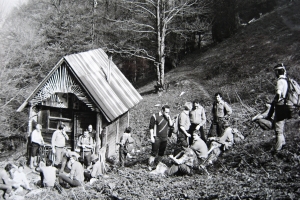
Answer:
(151, 162)
(159, 159)
(31, 162)
(35, 161)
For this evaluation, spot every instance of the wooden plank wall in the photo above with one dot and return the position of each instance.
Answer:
(114, 132)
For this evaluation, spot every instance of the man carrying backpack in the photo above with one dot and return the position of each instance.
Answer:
(280, 105)
(126, 146)
(220, 111)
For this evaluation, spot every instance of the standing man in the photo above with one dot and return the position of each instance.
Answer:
(281, 112)
(198, 119)
(58, 143)
(220, 111)
(85, 142)
(159, 126)
(92, 132)
(36, 141)
(184, 124)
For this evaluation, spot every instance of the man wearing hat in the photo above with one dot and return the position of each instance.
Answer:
(279, 102)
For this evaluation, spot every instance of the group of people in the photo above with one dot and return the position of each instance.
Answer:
(67, 167)
(13, 177)
(192, 143)
(191, 152)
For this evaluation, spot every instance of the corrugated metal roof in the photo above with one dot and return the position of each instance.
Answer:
(107, 86)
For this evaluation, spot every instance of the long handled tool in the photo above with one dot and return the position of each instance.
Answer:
(83, 156)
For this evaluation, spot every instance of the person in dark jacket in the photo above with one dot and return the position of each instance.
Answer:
(159, 127)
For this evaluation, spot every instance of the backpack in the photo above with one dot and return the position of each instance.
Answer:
(292, 100)
(129, 145)
(293, 93)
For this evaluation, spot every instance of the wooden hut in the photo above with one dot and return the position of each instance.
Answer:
(82, 89)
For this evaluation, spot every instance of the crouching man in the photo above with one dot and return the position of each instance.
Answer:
(199, 146)
(5, 183)
(220, 144)
(76, 176)
(184, 162)
(263, 120)
(48, 174)
(65, 161)
(96, 170)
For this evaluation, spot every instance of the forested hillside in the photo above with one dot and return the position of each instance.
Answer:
(37, 35)
(240, 66)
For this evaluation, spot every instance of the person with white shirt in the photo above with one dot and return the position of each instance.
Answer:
(58, 143)
(36, 141)
(279, 106)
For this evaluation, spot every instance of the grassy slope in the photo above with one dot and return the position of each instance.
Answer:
(241, 68)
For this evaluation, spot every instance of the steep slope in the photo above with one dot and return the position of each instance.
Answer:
(241, 68)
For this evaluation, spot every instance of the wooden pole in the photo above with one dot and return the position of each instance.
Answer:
(98, 132)
(29, 130)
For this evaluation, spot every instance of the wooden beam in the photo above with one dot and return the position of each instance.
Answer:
(98, 132)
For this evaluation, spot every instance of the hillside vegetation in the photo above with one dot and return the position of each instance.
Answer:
(240, 68)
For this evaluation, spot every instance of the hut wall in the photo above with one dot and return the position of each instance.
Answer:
(114, 132)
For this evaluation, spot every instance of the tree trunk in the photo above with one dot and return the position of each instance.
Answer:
(158, 65)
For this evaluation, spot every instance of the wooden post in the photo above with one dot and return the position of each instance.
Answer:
(98, 132)
(128, 118)
(117, 138)
(31, 114)
(29, 130)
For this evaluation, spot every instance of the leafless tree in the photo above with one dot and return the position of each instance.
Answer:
(146, 25)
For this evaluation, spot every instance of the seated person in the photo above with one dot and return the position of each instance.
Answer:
(48, 174)
(264, 119)
(86, 144)
(95, 170)
(20, 179)
(220, 144)
(126, 146)
(65, 161)
(5, 182)
(184, 162)
(76, 177)
(199, 146)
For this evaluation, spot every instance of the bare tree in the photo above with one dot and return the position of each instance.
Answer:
(144, 28)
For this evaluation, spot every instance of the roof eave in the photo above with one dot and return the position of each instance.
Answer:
(21, 108)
